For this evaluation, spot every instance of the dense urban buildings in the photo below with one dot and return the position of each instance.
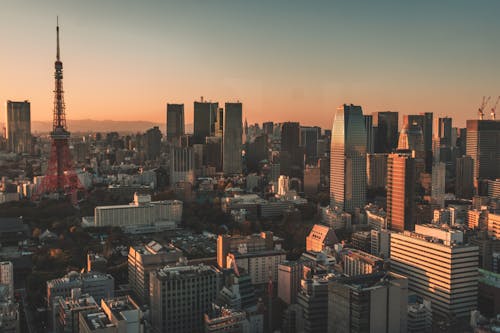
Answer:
(212, 222)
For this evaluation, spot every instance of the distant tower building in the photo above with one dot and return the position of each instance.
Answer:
(309, 137)
(18, 127)
(376, 170)
(175, 122)
(464, 183)
(483, 140)
(386, 135)
(204, 120)
(425, 121)
(219, 123)
(370, 138)
(444, 131)
(291, 153)
(438, 184)
(181, 165)
(401, 207)
(411, 138)
(268, 128)
(152, 143)
(348, 159)
(232, 141)
(212, 154)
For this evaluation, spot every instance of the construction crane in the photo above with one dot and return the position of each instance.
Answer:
(483, 106)
(494, 108)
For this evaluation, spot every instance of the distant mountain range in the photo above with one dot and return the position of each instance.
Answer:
(89, 125)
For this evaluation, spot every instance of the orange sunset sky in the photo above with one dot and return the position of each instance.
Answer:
(284, 60)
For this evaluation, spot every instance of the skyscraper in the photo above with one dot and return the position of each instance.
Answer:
(370, 138)
(348, 159)
(386, 134)
(309, 137)
(444, 131)
(401, 192)
(438, 184)
(232, 140)
(483, 140)
(291, 153)
(428, 133)
(175, 122)
(19, 127)
(152, 143)
(204, 120)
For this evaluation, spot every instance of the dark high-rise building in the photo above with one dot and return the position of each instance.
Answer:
(256, 152)
(219, 122)
(152, 143)
(464, 183)
(428, 133)
(348, 159)
(401, 192)
(204, 120)
(444, 131)
(309, 137)
(386, 134)
(268, 128)
(175, 122)
(375, 302)
(212, 154)
(370, 138)
(291, 154)
(483, 142)
(18, 127)
(181, 295)
(232, 141)
(425, 121)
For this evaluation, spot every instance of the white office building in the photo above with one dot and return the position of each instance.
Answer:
(439, 267)
(160, 215)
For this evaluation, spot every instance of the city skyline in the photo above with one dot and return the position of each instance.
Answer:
(277, 60)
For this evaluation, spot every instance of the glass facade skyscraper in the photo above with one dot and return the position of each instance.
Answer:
(348, 159)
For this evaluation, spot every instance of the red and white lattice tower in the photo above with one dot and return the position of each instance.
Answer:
(60, 177)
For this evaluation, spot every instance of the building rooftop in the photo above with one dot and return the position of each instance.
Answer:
(172, 272)
(370, 281)
(75, 277)
(120, 307)
(97, 320)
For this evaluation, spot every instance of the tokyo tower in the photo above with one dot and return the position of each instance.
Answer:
(60, 177)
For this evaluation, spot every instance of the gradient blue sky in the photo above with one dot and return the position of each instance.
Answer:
(285, 60)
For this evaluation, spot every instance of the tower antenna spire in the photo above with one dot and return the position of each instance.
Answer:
(57, 29)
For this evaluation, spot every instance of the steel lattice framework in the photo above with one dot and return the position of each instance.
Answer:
(60, 176)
